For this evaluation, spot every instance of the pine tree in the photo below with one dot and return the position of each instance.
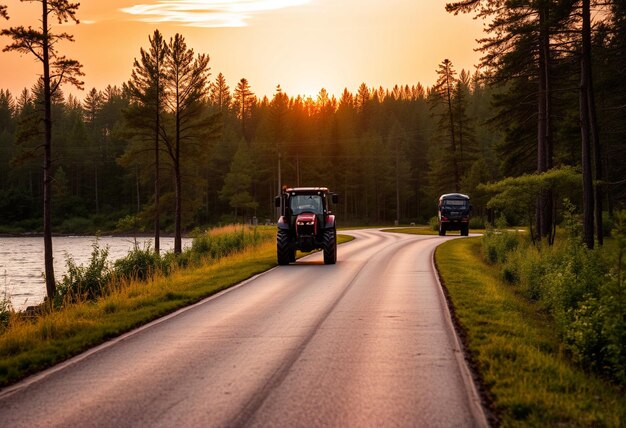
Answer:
(278, 123)
(186, 81)
(42, 43)
(92, 104)
(397, 143)
(244, 100)
(238, 181)
(147, 91)
(220, 95)
(464, 125)
(443, 104)
(7, 130)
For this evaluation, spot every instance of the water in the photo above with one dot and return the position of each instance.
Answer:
(21, 261)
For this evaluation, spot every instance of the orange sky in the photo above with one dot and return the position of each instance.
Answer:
(303, 45)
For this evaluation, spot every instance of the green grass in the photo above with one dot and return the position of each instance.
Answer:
(528, 379)
(29, 346)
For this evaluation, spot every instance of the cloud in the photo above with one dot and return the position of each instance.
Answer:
(209, 13)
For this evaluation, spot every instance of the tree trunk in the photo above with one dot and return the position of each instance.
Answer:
(585, 67)
(157, 193)
(593, 121)
(95, 170)
(178, 189)
(544, 199)
(457, 177)
(47, 162)
(178, 216)
(137, 190)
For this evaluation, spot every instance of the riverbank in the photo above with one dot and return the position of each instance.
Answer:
(21, 260)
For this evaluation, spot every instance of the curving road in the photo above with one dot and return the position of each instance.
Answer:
(365, 342)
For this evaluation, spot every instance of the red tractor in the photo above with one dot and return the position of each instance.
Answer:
(306, 223)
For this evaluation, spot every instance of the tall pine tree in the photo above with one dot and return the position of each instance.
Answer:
(147, 91)
(42, 43)
(186, 80)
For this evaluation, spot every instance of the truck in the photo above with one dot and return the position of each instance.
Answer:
(454, 211)
(306, 223)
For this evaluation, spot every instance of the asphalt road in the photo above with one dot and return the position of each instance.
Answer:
(365, 342)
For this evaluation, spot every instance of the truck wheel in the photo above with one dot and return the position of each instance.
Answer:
(465, 230)
(283, 252)
(442, 229)
(330, 247)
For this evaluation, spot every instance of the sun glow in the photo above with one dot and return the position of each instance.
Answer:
(207, 14)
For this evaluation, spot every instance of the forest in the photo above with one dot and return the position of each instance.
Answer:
(210, 150)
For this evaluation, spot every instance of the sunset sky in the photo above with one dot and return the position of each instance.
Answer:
(303, 45)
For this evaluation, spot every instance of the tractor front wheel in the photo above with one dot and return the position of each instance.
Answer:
(330, 247)
(283, 253)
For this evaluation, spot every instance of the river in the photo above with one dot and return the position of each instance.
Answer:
(21, 261)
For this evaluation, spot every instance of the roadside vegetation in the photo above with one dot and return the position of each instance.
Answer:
(105, 299)
(544, 325)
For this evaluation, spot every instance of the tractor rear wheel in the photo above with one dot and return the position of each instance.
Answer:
(283, 252)
(330, 247)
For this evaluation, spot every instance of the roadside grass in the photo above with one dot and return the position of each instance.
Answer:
(31, 345)
(528, 378)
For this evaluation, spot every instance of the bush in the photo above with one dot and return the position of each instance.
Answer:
(607, 224)
(85, 282)
(477, 222)
(140, 264)
(577, 287)
(434, 223)
(6, 309)
(499, 243)
(596, 336)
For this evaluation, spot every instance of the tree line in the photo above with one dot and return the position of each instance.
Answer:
(176, 147)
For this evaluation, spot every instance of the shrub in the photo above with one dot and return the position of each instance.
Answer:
(477, 222)
(596, 334)
(607, 224)
(576, 286)
(85, 282)
(140, 264)
(498, 243)
(6, 309)
(434, 223)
